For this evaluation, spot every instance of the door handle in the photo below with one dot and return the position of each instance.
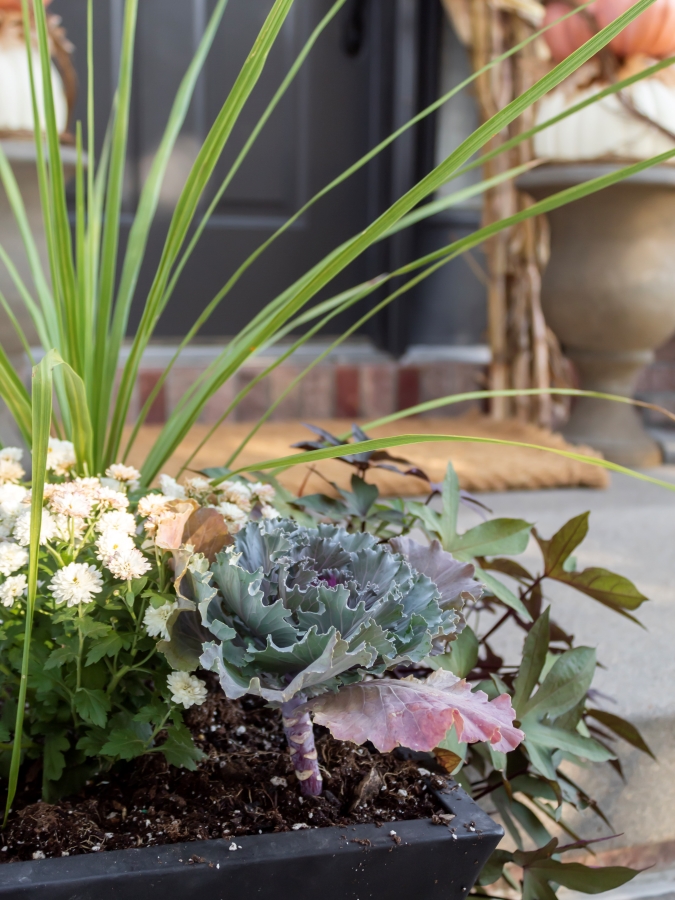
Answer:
(354, 33)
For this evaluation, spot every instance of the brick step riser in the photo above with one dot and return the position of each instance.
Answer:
(328, 391)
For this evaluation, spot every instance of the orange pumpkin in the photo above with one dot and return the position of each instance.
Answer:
(651, 34)
(566, 37)
(15, 5)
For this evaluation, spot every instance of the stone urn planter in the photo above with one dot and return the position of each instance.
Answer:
(609, 294)
(412, 859)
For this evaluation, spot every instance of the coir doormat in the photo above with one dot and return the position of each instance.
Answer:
(480, 467)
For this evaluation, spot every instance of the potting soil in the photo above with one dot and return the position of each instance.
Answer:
(244, 786)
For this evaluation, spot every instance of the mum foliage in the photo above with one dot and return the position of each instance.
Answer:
(311, 619)
(98, 690)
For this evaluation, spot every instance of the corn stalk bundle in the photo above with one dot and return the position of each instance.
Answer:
(525, 352)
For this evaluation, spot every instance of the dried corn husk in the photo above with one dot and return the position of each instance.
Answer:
(523, 352)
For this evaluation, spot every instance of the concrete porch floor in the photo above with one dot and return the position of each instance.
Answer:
(632, 532)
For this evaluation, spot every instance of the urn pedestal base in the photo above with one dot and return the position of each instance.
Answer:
(615, 429)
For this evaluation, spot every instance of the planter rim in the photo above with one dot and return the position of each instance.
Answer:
(158, 868)
(568, 174)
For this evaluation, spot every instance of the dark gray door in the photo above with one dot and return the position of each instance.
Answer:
(338, 107)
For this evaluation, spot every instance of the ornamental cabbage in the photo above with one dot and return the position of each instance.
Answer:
(309, 618)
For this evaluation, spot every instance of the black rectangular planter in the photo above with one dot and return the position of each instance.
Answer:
(421, 861)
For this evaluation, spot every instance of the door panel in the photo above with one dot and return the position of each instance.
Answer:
(331, 115)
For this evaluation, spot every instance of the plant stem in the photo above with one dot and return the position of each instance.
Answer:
(157, 730)
(81, 648)
(300, 736)
(86, 539)
(139, 620)
(57, 556)
(119, 675)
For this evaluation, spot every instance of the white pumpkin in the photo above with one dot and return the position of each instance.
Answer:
(16, 108)
(606, 130)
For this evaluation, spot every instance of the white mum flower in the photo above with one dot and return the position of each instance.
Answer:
(234, 516)
(10, 471)
(269, 512)
(152, 505)
(155, 620)
(60, 456)
(89, 485)
(116, 520)
(12, 558)
(11, 588)
(75, 504)
(13, 453)
(123, 473)
(198, 488)
(170, 488)
(237, 493)
(186, 689)
(12, 497)
(76, 583)
(128, 564)
(264, 492)
(21, 531)
(110, 499)
(112, 542)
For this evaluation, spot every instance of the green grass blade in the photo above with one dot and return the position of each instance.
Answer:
(465, 150)
(149, 200)
(349, 299)
(62, 235)
(33, 310)
(451, 400)
(614, 88)
(81, 433)
(330, 15)
(196, 183)
(337, 261)
(91, 158)
(16, 397)
(16, 203)
(413, 282)
(44, 188)
(562, 198)
(86, 320)
(184, 417)
(205, 315)
(41, 424)
(111, 223)
(403, 440)
(243, 268)
(274, 102)
(36, 316)
(443, 203)
(16, 325)
(337, 181)
(96, 208)
(334, 306)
